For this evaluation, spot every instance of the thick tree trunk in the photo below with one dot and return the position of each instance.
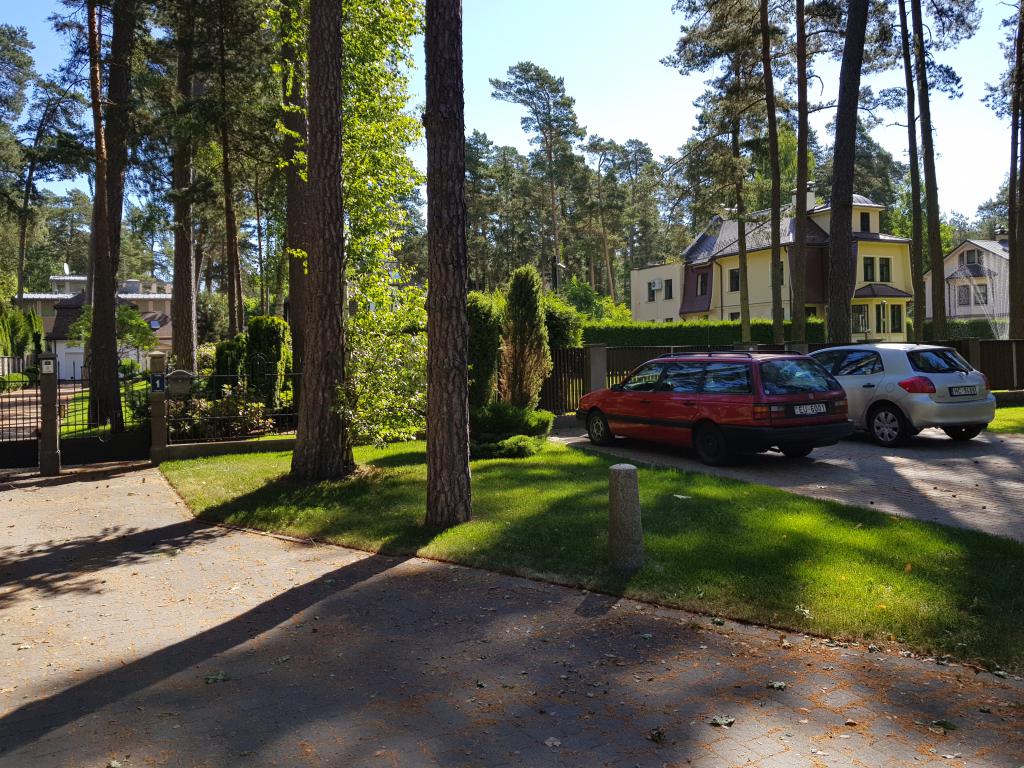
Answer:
(23, 216)
(775, 213)
(105, 395)
(296, 238)
(553, 199)
(741, 236)
(323, 445)
(183, 301)
(232, 266)
(1016, 187)
(917, 266)
(118, 113)
(449, 499)
(931, 185)
(841, 273)
(798, 260)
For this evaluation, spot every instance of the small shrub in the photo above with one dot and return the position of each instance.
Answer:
(129, 368)
(11, 382)
(501, 420)
(484, 317)
(228, 364)
(206, 355)
(268, 357)
(515, 447)
(232, 415)
(33, 375)
(525, 358)
(564, 324)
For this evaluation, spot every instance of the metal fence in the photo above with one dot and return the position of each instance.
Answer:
(230, 407)
(80, 417)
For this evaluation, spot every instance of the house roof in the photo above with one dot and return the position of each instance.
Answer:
(76, 278)
(45, 296)
(970, 270)
(721, 238)
(67, 311)
(880, 291)
(992, 246)
(879, 237)
(859, 201)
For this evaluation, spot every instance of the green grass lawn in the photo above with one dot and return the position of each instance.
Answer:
(1008, 420)
(75, 418)
(714, 545)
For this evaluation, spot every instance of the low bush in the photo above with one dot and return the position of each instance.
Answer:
(500, 420)
(515, 447)
(33, 374)
(231, 415)
(967, 329)
(690, 333)
(129, 369)
(228, 364)
(11, 382)
(206, 355)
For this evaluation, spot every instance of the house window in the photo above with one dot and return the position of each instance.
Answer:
(734, 316)
(972, 257)
(865, 221)
(963, 295)
(981, 294)
(981, 259)
(668, 289)
(650, 290)
(810, 311)
(885, 270)
(880, 318)
(963, 259)
(702, 284)
(734, 280)
(869, 269)
(896, 317)
(860, 318)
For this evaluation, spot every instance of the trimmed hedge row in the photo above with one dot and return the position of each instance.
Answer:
(690, 333)
(968, 329)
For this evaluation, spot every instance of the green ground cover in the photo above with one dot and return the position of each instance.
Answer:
(75, 414)
(1008, 420)
(714, 545)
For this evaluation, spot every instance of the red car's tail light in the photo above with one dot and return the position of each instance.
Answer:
(842, 407)
(918, 385)
(761, 412)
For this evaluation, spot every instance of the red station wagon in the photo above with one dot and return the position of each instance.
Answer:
(723, 404)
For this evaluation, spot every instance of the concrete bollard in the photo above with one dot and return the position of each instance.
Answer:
(625, 529)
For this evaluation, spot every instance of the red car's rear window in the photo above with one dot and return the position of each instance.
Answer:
(794, 376)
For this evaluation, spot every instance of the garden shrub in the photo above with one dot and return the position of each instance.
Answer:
(484, 317)
(268, 357)
(967, 329)
(129, 368)
(232, 415)
(564, 324)
(499, 420)
(205, 357)
(11, 382)
(228, 364)
(515, 447)
(690, 333)
(33, 374)
(525, 358)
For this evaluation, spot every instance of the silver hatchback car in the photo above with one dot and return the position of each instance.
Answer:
(896, 390)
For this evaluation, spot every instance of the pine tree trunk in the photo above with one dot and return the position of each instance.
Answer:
(296, 237)
(449, 499)
(183, 299)
(917, 267)
(118, 112)
(323, 446)
(1016, 187)
(798, 261)
(775, 213)
(741, 236)
(931, 185)
(231, 265)
(841, 274)
(104, 392)
(553, 199)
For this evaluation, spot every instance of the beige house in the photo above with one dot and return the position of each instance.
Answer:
(654, 293)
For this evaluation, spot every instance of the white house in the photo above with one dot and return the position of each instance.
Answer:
(655, 291)
(977, 280)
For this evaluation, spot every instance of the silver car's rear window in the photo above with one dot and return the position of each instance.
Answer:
(792, 377)
(937, 361)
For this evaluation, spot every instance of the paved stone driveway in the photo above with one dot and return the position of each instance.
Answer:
(979, 484)
(131, 633)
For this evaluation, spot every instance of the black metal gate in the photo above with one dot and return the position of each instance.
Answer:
(19, 423)
(88, 439)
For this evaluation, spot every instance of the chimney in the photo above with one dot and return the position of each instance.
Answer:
(1003, 237)
(812, 199)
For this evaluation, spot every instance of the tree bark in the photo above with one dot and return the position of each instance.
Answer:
(323, 444)
(118, 114)
(798, 261)
(775, 213)
(556, 250)
(931, 186)
(449, 499)
(741, 234)
(841, 272)
(917, 267)
(232, 266)
(105, 395)
(183, 300)
(1016, 187)
(259, 242)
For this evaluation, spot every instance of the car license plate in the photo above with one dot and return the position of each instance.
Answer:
(810, 409)
(960, 391)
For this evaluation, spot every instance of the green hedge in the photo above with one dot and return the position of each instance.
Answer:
(484, 315)
(500, 420)
(690, 333)
(564, 323)
(967, 329)
(268, 357)
(10, 382)
(228, 364)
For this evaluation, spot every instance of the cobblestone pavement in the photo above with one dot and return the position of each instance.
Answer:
(131, 633)
(979, 484)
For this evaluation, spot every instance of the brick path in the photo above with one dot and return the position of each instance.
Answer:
(129, 632)
(979, 484)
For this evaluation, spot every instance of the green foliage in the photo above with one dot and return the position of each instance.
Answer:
(564, 324)
(593, 305)
(129, 368)
(17, 329)
(133, 333)
(515, 447)
(10, 382)
(500, 420)
(229, 415)
(206, 355)
(268, 357)
(228, 364)
(968, 329)
(211, 317)
(689, 333)
(484, 315)
(526, 359)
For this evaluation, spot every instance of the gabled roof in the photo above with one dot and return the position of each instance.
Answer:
(69, 310)
(880, 291)
(992, 246)
(721, 238)
(859, 201)
(970, 270)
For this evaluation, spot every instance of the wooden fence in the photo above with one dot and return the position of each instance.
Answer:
(566, 383)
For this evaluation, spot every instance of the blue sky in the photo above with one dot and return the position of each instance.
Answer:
(609, 53)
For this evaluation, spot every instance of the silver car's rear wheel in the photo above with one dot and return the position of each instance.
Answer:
(887, 426)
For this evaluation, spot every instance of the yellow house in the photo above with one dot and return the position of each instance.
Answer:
(711, 276)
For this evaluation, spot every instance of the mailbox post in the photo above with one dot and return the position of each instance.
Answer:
(49, 416)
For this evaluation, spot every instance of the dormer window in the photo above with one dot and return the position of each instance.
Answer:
(865, 221)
